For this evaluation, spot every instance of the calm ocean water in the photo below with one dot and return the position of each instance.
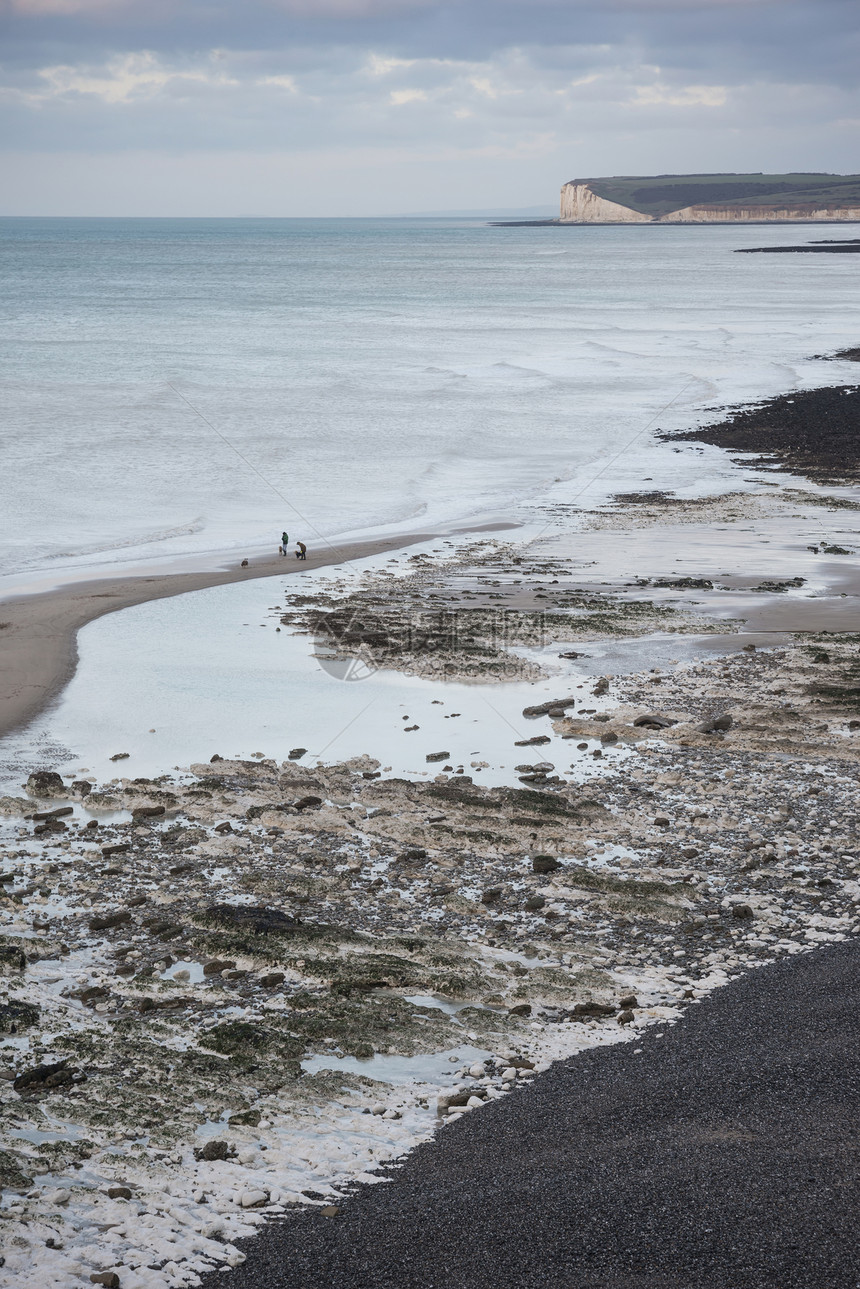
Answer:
(179, 386)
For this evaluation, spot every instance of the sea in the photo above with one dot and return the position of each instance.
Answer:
(179, 389)
(179, 392)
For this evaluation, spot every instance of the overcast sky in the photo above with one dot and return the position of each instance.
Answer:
(361, 107)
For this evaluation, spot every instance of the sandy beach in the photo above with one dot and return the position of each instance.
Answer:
(39, 632)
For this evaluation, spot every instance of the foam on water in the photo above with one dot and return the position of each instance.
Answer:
(179, 387)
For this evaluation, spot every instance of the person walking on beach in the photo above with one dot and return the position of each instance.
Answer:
(285, 543)
(302, 552)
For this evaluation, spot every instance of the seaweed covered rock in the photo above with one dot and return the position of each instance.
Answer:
(12, 1175)
(45, 783)
(254, 918)
(15, 1016)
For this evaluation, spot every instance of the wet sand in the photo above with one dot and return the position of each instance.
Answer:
(39, 632)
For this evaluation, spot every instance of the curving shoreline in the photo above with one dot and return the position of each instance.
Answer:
(39, 632)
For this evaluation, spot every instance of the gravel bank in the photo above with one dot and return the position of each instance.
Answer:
(723, 1154)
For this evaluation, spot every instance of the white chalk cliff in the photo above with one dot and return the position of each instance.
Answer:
(579, 205)
(758, 215)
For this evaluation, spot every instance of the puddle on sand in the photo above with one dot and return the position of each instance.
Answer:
(446, 1005)
(38, 1136)
(432, 1067)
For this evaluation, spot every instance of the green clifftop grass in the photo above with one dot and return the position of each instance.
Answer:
(661, 194)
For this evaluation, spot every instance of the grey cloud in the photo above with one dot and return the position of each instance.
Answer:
(492, 76)
(774, 37)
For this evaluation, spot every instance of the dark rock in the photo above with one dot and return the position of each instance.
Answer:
(437, 756)
(52, 825)
(147, 812)
(119, 1192)
(82, 788)
(45, 783)
(661, 821)
(537, 741)
(716, 724)
(224, 828)
(411, 855)
(135, 901)
(329, 1210)
(544, 864)
(120, 756)
(308, 803)
(119, 849)
(110, 920)
(108, 1278)
(630, 1000)
(601, 687)
(544, 709)
(654, 721)
(52, 814)
(491, 895)
(271, 979)
(13, 957)
(608, 738)
(216, 966)
(626, 1017)
(685, 583)
(259, 920)
(534, 902)
(742, 911)
(780, 587)
(95, 994)
(12, 1176)
(245, 1119)
(296, 754)
(47, 1076)
(15, 1016)
(521, 1009)
(593, 1009)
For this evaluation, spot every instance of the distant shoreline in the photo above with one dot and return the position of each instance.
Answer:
(674, 223)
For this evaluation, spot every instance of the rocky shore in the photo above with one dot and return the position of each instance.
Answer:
(211, 979)
(231, 993)
(812, 432)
